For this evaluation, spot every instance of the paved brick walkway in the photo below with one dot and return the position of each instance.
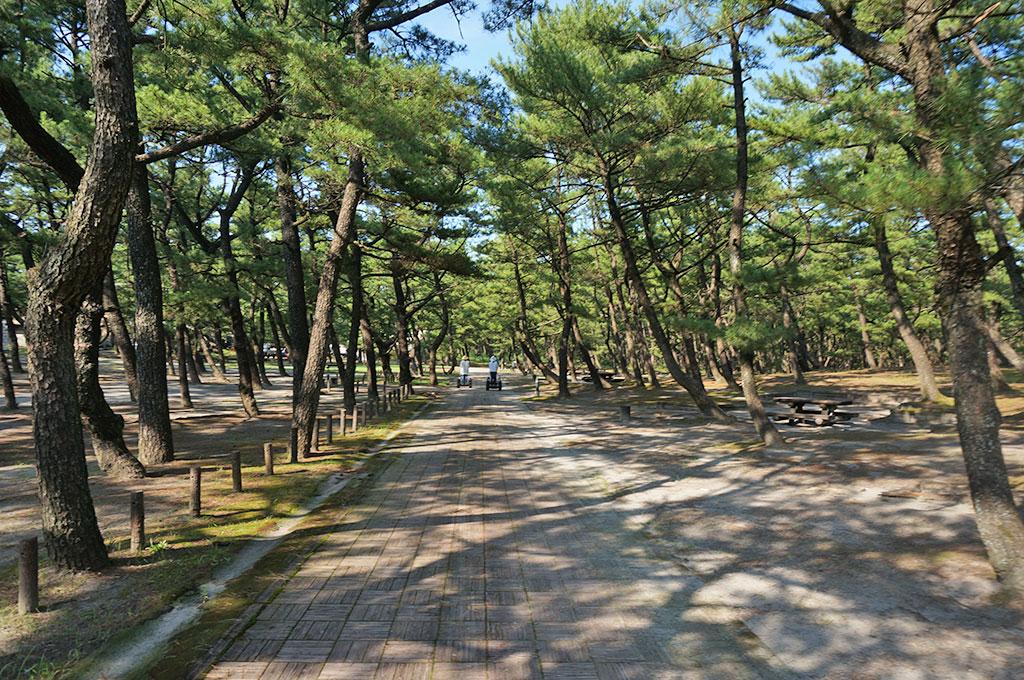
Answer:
(488, 549)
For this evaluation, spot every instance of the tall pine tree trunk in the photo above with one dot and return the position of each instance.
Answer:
(7, 316)
(762, 424)
(156, 444)
(298, 321)
(323, 314)
(10, 399)
(73, 264)
(918, 353)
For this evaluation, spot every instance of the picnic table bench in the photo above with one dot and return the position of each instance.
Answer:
(824, 411)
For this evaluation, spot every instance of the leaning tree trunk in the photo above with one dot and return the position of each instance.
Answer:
(762, 424)
(525, 337)
(106, 428)
(865, 338)
(1004, 347)
(74, 263)
(218, 373)
(366, 331)
(323, 314)
(156, 444)
(995, 371)
(119, 331)
(918, 354)
(695, 389)
(1013, 272)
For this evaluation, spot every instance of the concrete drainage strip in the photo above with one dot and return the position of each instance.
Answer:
(153, 635)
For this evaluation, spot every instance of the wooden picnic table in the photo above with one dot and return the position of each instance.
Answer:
(826, 411)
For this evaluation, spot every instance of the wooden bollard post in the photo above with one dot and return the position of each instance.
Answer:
(330, 429)
(236, 471)
(28, 575)
(343, 422)
(355, 418)
(195, 477)
(137, 515)
(624, 414)
(536, 386)
(268, 458)
(293, 446)
(315, 444)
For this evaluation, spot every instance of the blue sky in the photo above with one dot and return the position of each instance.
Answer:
(481, 45)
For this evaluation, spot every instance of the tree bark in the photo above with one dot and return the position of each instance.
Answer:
(79, 258)
(156, 444)
(442, 332)
(119, 331)
(233, 306)
(865, 339)
(961, 275)
(298, 321)
(323, 314)
(276, 335)
(10, 399)
(184, 394)
(106, 428)
(918, 353)
(218, 373)
(1013, 272)
(7, 316)
(794, 361)
(401, 324)
(762, 424)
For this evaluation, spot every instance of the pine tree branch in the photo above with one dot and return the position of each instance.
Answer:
(22, 119)
(400, 19)
(222, 136)
(846, 32)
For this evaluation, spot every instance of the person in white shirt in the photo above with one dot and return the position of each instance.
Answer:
(464, 370)
(492, 366)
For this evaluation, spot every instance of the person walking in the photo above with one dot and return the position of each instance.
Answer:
(492, 366)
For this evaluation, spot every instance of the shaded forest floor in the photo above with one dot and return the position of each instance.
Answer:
(83, 611)
(851, 553)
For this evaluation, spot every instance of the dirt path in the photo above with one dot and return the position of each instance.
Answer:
(490, 549)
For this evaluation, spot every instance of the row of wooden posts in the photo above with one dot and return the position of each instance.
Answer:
(28, 549)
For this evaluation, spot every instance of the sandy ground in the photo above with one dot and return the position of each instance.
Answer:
(851, 553)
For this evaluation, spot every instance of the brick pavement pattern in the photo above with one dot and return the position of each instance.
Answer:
(488, 549)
